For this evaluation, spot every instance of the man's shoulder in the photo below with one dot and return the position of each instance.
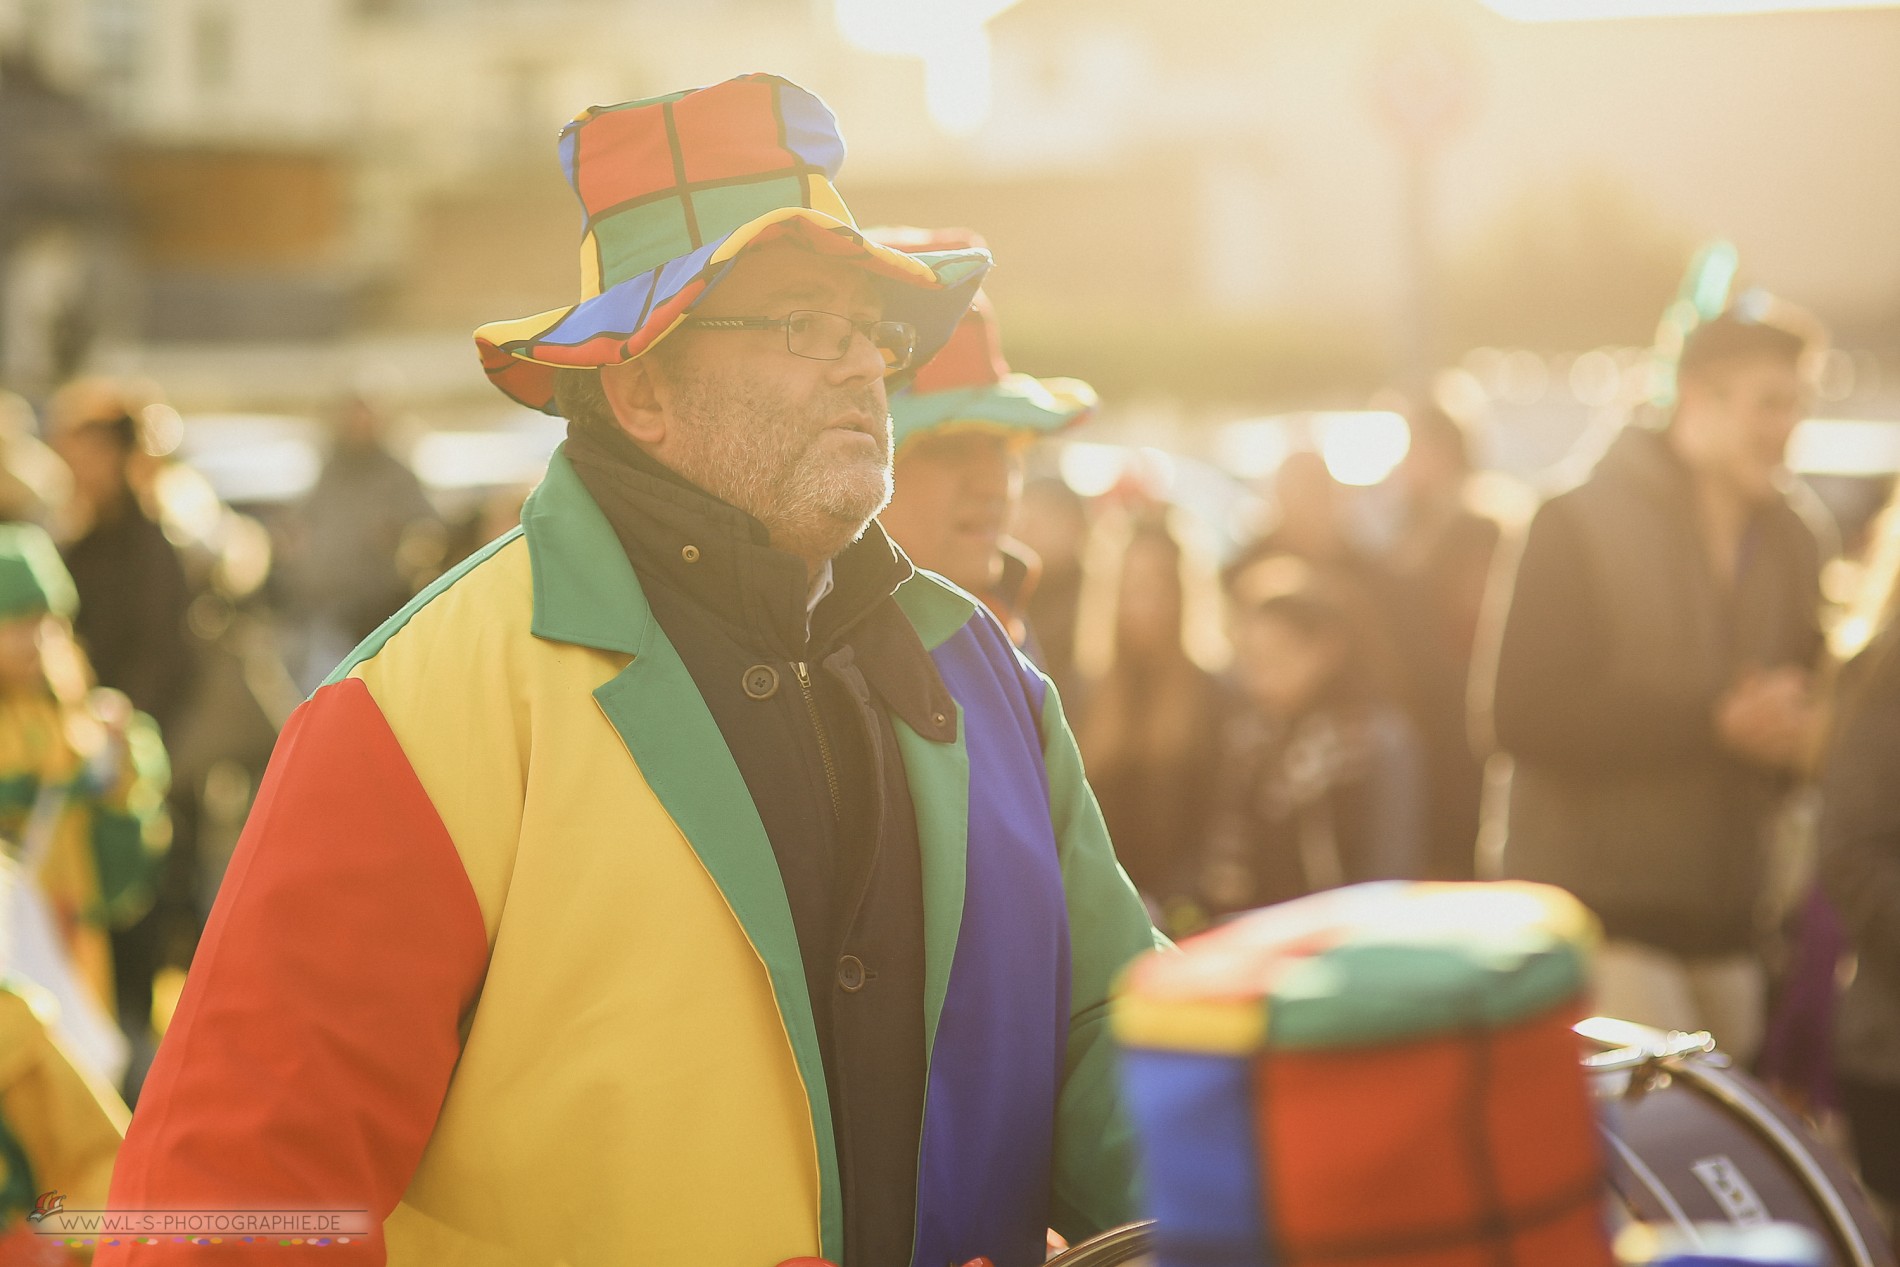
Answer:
(940, 610)
(1632, 488)
(936, 607)
(492, 587)
(981, 666)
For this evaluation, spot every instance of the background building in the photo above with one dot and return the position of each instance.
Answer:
(1228, 207)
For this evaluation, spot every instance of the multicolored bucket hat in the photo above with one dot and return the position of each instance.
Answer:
(969, 386)
(673, 189)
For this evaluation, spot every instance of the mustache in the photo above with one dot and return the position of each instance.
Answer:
(867, 399)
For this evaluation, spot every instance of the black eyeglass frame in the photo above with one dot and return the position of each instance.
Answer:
(868, 329)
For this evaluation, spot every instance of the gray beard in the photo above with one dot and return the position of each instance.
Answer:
(749, 447)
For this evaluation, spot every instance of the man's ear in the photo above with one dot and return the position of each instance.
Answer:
(637, 396)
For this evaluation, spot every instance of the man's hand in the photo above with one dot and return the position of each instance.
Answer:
(1770, 717)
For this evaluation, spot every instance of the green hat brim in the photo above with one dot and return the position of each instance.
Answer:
(1020, 405)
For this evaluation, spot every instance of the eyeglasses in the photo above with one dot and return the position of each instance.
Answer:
(826, 336)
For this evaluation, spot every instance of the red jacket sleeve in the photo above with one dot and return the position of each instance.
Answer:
(319, 1026)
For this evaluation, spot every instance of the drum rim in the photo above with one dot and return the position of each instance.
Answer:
(1630, 1046)
(1760, 1117)
(1138, 1235)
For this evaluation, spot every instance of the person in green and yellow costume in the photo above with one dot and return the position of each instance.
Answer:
(82, 776)
(59, 1129)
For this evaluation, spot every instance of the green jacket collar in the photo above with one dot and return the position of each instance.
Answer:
(585, 591)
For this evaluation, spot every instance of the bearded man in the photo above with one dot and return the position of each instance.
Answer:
(685, 879)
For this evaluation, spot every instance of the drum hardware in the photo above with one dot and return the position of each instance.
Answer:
(1124, 1244)
(1638, 1059)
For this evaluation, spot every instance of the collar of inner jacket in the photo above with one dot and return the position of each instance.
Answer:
(721, 559)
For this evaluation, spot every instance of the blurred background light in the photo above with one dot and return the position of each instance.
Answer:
(252, 458)
(1845, 446)
(948, 35)
(1523, 377)
(1458, 392)
(164, 430)
(1254, 448)
(957, 80)
(1361, 447)
(1092, 469)
(475, 459)
(1595, 378)
(1591, 10)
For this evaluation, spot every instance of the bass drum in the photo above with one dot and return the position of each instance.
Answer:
(1691, 1140)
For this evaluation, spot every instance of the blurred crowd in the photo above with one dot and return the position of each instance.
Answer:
(1642, 692)
(1639, 692)
(1289, 717)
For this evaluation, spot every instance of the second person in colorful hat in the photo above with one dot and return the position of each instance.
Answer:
(961, 428)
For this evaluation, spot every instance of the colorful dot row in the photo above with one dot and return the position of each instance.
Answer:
(213, 1240)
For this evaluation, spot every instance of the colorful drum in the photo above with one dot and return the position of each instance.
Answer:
(1378, 1076)
(1688, 1140)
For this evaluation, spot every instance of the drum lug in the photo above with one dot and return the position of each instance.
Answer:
(1645, 1055)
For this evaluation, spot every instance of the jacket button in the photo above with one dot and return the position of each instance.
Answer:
(851, 973)
(760, 681)
(690, 553)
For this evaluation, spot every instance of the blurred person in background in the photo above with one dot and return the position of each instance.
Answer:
(1151, 737)
(1053, 521)
(960, 431)
(359, 540)
(1319, 778)
(133, 589)
(1652, 679)
(1437, 570)
(134, 596)
(497, 512)
(1859, 863)
(1310, 522)
(82, 775)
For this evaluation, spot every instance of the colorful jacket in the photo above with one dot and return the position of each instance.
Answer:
(504, 957)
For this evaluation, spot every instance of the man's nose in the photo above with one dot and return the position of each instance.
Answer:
(861, 361)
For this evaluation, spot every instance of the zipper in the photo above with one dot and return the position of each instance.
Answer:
(824, 742)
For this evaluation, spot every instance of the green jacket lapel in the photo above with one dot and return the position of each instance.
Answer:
(586, 592)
